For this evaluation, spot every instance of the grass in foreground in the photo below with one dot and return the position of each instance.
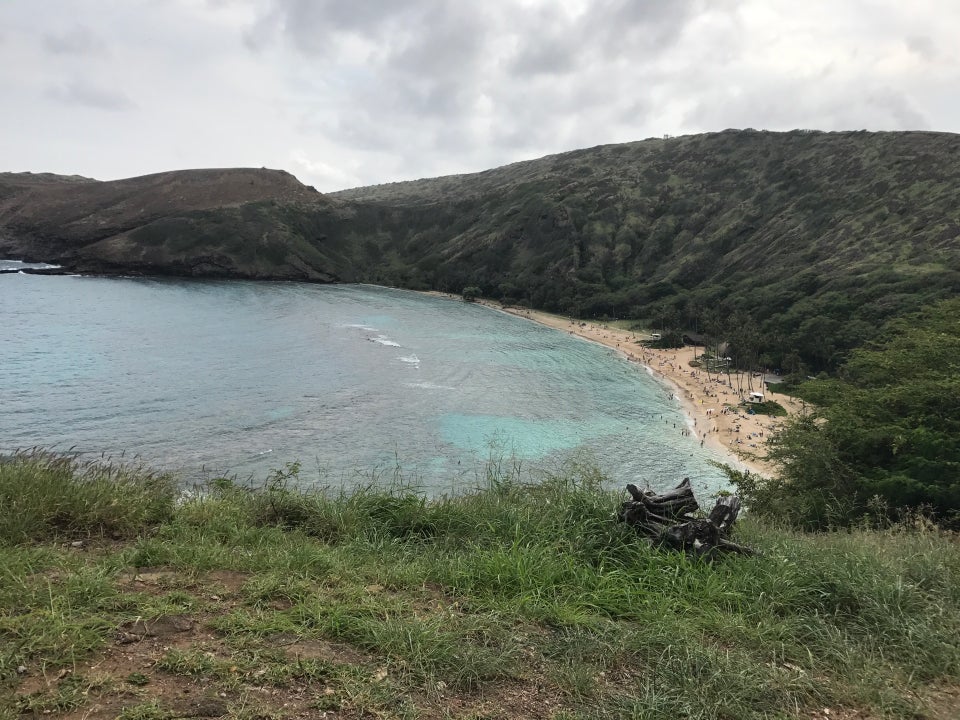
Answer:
(515, 600)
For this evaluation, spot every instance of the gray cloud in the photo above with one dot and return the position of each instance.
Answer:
(86, 94)
(77, 41)
(898, 109)
(428, 77)
(831, 104)
(350, 92)
(923, 46)
(549, 56)
(410, 70)
(640, 27)
(551, 46)
(317, 27)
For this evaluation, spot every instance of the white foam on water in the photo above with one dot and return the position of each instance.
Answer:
(16, 264)
(384, 340)
(358, 326)
(429, 386)
(412, 359)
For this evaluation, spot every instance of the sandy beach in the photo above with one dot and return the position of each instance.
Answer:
(712, 403)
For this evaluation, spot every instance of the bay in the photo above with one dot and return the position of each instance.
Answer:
(357, 383)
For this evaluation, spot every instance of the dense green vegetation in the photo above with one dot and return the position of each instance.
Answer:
(253, 223)
(49, 496)
(812, 239)
(768, 407)
(883, 437)
(515, 600)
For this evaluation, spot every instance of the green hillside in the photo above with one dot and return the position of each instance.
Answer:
(815, 237)
(806, 242)
(240, 223)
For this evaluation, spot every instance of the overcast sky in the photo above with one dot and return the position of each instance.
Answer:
(355, 92)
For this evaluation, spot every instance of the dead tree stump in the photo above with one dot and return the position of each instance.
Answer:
(668, 520)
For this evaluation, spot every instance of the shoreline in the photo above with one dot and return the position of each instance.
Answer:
(711, 404)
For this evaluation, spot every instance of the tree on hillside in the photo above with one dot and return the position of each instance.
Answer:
(887, 428)
(470, 293)
(745, 343)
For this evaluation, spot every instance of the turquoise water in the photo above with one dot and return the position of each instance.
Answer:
(228, 377)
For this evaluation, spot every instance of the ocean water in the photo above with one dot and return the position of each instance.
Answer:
(18, 265)
(210, 378)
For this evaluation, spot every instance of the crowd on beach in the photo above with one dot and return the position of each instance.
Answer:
(720, 415)
(715, 403)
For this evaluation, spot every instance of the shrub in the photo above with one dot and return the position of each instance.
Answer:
(768, 407)
(46, 496)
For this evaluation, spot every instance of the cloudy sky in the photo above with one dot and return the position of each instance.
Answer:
(354, 92)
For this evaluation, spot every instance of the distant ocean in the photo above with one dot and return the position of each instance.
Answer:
(209, 378)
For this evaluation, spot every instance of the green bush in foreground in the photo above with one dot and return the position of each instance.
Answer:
(45, 496)
(885, 434)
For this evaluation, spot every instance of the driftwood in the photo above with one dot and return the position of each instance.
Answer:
(668, 520)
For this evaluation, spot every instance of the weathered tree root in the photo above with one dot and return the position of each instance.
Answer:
(667, 521)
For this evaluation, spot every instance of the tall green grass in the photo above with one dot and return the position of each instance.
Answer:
(522, 582)
(47, 496)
